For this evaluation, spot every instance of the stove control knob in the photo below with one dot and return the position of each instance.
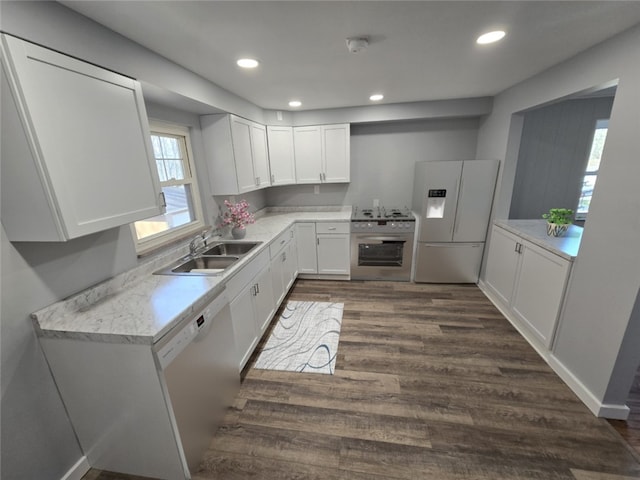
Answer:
(393, 225)
(369, 225)
(407, 225)
(355, 225)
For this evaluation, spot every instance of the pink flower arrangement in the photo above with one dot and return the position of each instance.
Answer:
(238, 214)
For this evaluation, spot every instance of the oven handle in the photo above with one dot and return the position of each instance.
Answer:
(381, 239)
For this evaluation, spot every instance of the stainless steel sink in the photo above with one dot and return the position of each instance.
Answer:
(206, 263)
(230, 248)
(214, 260)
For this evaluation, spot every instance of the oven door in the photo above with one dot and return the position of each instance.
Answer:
(381, 257)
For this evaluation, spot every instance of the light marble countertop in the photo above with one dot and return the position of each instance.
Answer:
(139, 307)
(535, 231)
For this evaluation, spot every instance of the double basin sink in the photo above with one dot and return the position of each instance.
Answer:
(212, 260)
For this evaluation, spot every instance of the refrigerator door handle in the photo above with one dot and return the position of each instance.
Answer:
(456, 222)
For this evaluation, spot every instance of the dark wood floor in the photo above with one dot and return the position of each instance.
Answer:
(431, 382)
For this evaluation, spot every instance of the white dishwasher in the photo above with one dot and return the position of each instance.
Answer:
(196, 359)
(149, 409)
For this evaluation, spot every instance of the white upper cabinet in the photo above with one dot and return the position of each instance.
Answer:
(336, 154)
(281, 159)
(322, 153)
(260, 155)
(76, 149)
(237, 155)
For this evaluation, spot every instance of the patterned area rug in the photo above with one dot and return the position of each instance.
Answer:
(305, 339)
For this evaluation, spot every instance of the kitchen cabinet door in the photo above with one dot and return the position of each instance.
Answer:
(291, 262)
(241, 133)
(336, 153)
(307, 143)
(76, 147)
(334, 254)
(236, 153)
(539, 291)
(245, 330)
(260, 155)
(306, 240)
(263, 300)
(281, 155)
(278, 277)
(502, 263)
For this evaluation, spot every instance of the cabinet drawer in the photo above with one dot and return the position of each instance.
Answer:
(241, 279)
(279, 243)
(333, 227)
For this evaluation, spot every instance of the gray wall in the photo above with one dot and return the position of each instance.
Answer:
(37, 438)
(554, 150)
(599, 313)
(383, 156)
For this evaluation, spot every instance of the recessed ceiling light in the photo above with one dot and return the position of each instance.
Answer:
(376, 97)
(247, 63)
(491, 37)
(295, 103)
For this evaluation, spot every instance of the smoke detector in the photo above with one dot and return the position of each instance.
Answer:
(357, 44)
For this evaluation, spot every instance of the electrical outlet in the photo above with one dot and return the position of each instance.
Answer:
(316, 189)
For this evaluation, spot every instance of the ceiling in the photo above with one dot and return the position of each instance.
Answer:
(418, 50)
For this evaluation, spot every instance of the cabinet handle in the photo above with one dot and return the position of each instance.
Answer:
(282, 242)
(284, 257)
(257, 288)
(318, 240)
(331, 228)
(515, 249)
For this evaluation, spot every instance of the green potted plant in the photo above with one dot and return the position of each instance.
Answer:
(558, 221)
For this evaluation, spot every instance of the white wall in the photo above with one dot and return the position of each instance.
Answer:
(383, 156)
(590, 346)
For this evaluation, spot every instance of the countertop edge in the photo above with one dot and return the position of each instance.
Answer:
(140, 282)
(534, 231)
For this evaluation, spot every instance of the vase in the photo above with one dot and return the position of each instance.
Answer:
(556, 229)
(238, 232)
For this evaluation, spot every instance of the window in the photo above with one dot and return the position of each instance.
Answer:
(593, 166)
(183, 216)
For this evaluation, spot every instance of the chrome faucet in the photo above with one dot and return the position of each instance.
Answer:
(203, 237)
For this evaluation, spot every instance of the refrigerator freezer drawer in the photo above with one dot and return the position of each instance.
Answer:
(448, 262)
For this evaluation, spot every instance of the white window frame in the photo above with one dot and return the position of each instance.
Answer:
(600, 123)
(167, 237)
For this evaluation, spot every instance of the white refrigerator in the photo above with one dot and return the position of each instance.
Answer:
(452, 201)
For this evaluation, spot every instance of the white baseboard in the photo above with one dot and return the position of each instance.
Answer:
(599, 409)
(78, 470)
(315, 276)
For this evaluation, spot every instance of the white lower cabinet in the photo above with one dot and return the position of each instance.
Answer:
(252, 306)
(324, 248)
(307, 257)
(284, 264)
(529, 281)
